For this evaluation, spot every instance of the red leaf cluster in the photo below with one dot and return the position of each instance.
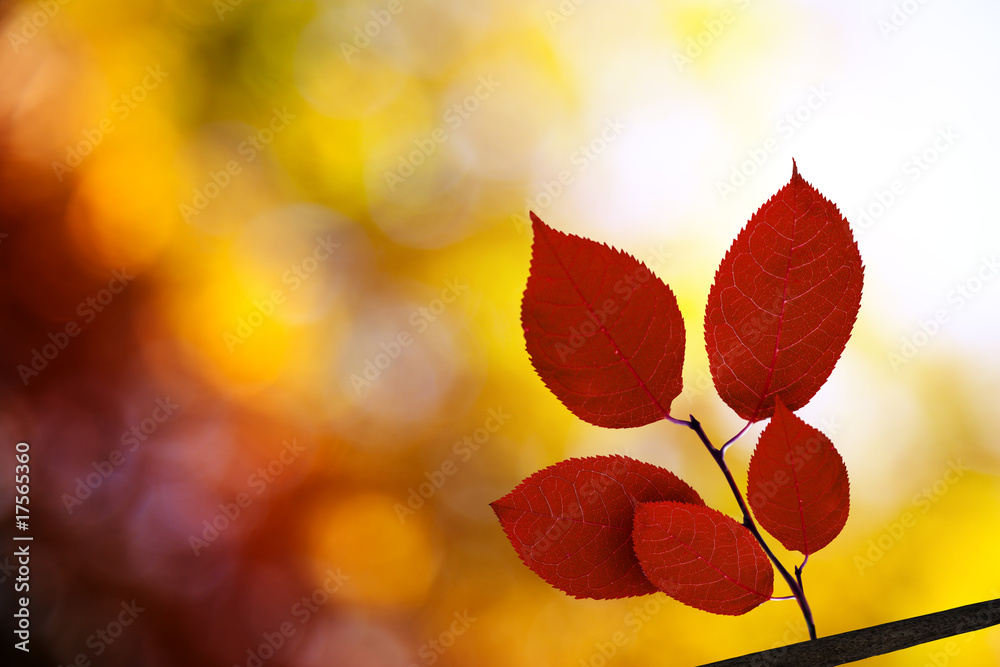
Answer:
(572, 522)
(607, 338)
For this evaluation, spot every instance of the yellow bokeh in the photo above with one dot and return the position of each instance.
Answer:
(390, 557)
(123, 211)
(233, 328)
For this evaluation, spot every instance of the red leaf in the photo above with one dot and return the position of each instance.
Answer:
(603, 332)
(571, 523)
(702, 557)
(797, 484)
(784, 302)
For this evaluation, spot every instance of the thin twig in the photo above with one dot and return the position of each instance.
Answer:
(732, 440)
(794, 583)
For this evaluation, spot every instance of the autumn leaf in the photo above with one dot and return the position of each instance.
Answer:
(603, 333)
(784, 302)
(571, 523)
(797, 484)
(702, 557)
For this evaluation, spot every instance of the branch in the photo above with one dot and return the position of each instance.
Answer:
(720, 459)
(876, 640)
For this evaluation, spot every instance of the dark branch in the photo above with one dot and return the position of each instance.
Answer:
(877, 640)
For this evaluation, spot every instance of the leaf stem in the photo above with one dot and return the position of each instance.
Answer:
(674, 420)
(794, 583)
(729, 443)
(798, 577)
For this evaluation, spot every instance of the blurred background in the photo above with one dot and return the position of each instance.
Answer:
(260, 273)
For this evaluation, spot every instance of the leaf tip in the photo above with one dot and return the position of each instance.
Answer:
(535, 220)
(779, 405)
(495, 506)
